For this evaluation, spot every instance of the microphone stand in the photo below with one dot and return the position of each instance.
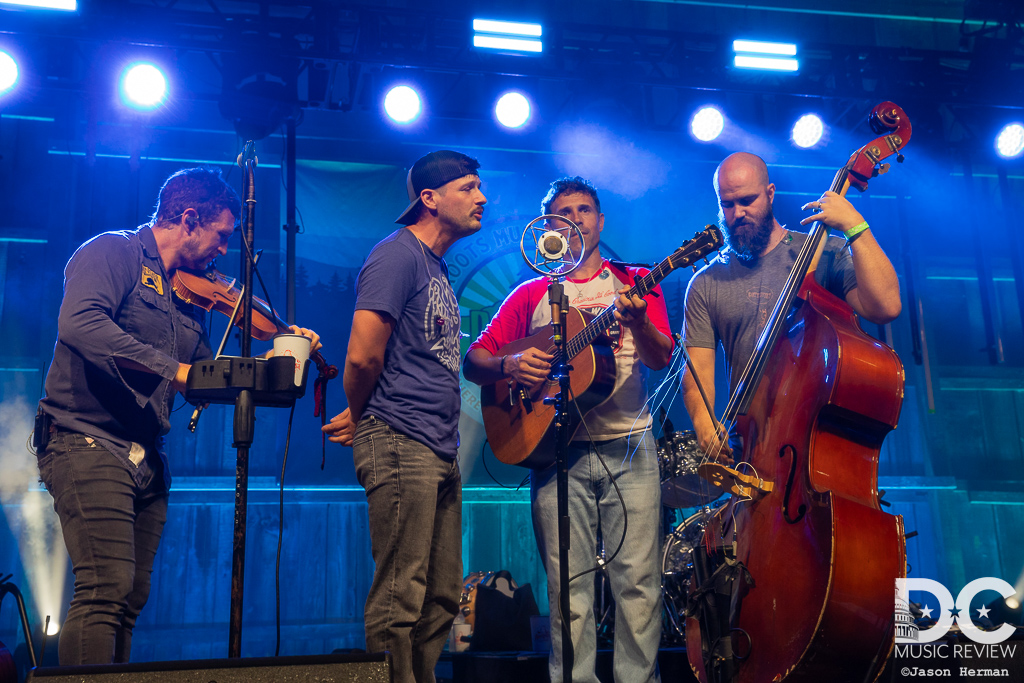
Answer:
(559, 308)
(553, 257)
(245, 416)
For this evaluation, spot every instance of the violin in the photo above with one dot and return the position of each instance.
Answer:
(212, 290)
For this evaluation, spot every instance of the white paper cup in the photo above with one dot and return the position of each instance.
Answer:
(294, 345)
(459, 637)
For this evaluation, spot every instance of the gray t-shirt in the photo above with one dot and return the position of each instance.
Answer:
(728, 302)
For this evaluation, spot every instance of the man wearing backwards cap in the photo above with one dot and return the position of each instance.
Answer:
(402, 384)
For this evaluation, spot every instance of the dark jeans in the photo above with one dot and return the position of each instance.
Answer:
(415, 501)
(111, 528)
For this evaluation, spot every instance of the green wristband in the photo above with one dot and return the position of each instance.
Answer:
(856, 230)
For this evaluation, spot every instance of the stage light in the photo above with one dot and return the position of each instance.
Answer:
(53, 628)
(143, 86)
(68, 5)
(707, 124)
(755, 54)
(1010, 141)
(508, 36)
(8, 72)
(512, 110)
(807, 131)
(402, 104)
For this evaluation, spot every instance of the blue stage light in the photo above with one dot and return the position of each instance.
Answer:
(402, 104)
(8, 72)
(512, 110)
(755, 54)
(143, 86)
(807, 131)
(1010, 141)
(67, 5)
(507, 36)
(707, 124)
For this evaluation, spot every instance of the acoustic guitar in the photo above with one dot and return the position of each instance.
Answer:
(519, 422)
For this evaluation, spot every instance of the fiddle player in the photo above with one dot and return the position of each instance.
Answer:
(402, 421)
(618, 430)
(728, 302)
(124, 346)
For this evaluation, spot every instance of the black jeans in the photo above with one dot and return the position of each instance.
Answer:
(111, 528)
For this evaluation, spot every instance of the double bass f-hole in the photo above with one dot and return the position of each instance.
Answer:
(802, 510)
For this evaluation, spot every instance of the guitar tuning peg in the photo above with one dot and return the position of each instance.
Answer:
(883, 168)
(694, 266)
(899, 157)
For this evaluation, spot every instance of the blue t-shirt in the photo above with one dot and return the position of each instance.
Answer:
(417, 392)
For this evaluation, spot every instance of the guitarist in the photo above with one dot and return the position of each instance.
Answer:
(617, 432)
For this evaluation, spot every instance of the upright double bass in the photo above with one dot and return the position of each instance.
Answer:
(795, 578)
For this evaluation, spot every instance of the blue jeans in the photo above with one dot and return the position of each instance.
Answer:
(634, 574)
(112, 529)
(415, 506)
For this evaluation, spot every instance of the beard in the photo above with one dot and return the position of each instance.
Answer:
(749, 238)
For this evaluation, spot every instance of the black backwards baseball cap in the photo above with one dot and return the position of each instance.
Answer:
(431, 172)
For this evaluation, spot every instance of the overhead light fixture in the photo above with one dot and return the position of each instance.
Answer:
(512, 110)
(507, 36)
(402, 104)
(143, 86)
(66, 5)
(755, 54)
(1010, 141)
(707, 124)
(8, 72)
(807, 131)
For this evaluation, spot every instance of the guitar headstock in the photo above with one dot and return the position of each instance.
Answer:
(892, 124)
(703, 243)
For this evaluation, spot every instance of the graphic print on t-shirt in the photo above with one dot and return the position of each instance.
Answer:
(595, 302)
(441, 322)
(614, 332)
(763, 297)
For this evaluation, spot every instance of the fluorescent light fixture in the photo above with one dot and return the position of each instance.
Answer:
(511, 28)
(67, 5)
(758, 47)
(514, 44)
(766, 63)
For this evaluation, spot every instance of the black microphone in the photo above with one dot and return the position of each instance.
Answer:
(248, 152)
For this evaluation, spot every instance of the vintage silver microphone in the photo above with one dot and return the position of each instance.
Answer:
(547, 249)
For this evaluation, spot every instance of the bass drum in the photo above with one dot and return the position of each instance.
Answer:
(676, 571)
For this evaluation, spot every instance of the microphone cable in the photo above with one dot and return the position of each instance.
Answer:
(280, 535)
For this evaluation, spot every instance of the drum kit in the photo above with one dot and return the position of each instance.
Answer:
(682, 487)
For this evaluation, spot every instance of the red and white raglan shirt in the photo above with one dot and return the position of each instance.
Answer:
(526, 311)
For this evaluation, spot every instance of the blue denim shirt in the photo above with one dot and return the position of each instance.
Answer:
(118, 304)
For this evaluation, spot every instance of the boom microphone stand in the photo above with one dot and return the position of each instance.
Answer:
(552, 256)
